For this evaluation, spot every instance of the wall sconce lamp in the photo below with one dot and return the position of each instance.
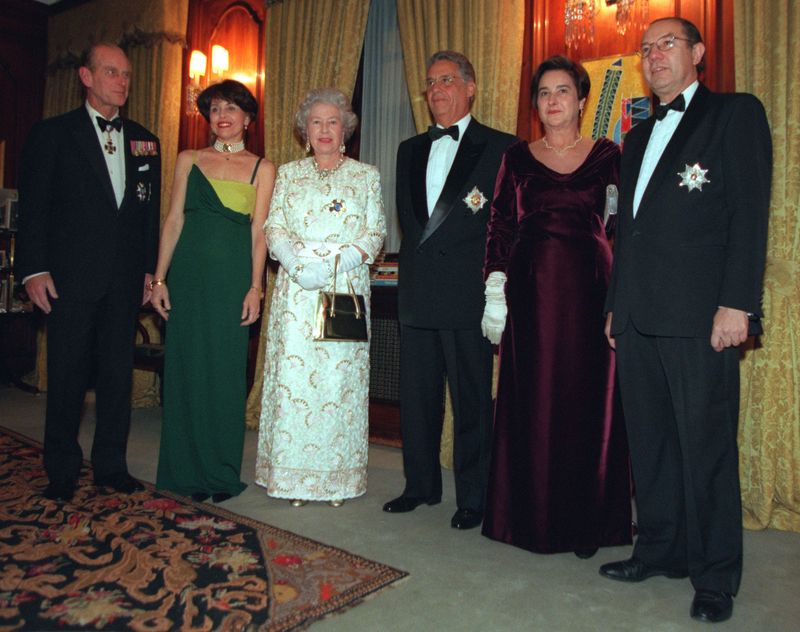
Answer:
(219, 59)
(197, 70)
(579, 17)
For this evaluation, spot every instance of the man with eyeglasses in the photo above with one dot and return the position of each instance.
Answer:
(90, 190)
(685, 292)
(445, 184)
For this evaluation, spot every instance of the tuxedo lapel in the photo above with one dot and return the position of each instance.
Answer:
(634, 154)
(680, 138)
(469, 152)
(86, 143)
(418, 170)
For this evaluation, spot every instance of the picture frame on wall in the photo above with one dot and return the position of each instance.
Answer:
(9, 209)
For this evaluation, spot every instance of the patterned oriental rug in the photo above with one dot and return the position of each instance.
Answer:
(157, 561)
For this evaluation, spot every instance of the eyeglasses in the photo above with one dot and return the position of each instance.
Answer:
(663, 43)
(444, 80)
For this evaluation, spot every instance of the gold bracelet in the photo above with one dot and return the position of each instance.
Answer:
(257, 289)
(155, 282)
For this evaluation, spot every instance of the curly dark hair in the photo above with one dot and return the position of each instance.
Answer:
(231, 91)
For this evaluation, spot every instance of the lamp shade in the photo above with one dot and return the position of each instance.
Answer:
(219, 59)
(197, 65)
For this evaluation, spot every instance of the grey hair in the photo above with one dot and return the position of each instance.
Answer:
(333, 96)
(465, 68)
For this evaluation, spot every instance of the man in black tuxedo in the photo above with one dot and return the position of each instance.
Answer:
(685, 290)
(445, 182)
(89, 215)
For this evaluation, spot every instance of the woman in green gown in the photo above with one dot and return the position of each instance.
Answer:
(208, 287)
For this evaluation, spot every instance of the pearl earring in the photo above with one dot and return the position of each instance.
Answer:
(308, 147)
(341, 148)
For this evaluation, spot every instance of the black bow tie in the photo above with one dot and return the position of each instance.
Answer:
(437, 132)
(678, 104)
(104, 124)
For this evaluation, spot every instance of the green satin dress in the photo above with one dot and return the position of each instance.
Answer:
(202, 433)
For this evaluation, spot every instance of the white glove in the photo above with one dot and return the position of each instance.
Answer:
(310, 274)
(350, 258)
(494, 314)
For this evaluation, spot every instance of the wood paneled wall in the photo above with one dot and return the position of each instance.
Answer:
(238, 25)
(545, 37)
(23, 59)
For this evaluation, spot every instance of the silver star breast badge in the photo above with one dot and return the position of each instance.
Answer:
(693, 177)
(475, 200)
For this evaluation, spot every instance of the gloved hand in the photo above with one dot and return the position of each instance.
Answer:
(494, 314)
(310, 274)
(350, 258)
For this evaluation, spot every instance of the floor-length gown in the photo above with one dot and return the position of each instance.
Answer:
(205, 383)
(313, 434)
(559, 476)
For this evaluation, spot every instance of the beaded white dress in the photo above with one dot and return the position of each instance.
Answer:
(313, 432)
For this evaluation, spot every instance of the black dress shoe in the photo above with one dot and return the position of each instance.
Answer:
(711, 606)
(121, 482)
(404, 504)
(466, 519)
(221, 497)
(634, 570)
(585, 554)
(200, 497)
(60, 492)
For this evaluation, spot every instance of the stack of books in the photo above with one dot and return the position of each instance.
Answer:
(384, 270)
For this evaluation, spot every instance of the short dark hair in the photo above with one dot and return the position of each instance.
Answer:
(231, 91)
(691, 33)
(465, 68)
(558, 62)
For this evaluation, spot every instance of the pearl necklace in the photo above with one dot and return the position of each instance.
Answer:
(563, 150)
(228, 148)
(324, 173)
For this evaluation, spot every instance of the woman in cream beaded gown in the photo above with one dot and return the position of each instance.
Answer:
(313, 434)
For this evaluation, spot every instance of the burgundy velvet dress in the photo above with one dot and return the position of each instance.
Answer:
(559, 477)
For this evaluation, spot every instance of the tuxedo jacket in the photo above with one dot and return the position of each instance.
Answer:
(441, 257)
(692, 249)
(70, 224)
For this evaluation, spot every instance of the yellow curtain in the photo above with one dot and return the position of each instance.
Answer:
(488, 32)
(767, 54)
(152, 32)
(307, 46)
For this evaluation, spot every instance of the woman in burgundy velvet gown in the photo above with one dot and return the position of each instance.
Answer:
(559, 476)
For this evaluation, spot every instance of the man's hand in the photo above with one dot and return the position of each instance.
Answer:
(41, 289)
(729, 328)
(611, 342)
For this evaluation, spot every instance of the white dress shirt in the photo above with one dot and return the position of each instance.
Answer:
(116, 161)
(440, 160)
(659, 139)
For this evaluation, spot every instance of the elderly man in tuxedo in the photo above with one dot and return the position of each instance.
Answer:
(89, 215)
(685, 292)
(445, 183)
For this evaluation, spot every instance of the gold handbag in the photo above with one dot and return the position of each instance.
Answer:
(340, 317)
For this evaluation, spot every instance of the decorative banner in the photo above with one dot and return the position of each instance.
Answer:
(619, 98)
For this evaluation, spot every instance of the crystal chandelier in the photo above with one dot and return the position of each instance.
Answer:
(579, 22)
(631, 14)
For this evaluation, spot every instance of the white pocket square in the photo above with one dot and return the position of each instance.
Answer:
(144, 168)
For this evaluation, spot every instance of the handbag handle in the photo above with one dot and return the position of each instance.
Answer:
(332, 310)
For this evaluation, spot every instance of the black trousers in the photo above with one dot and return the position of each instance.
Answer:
(465, 357)
(74, 331)
(681, 403)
